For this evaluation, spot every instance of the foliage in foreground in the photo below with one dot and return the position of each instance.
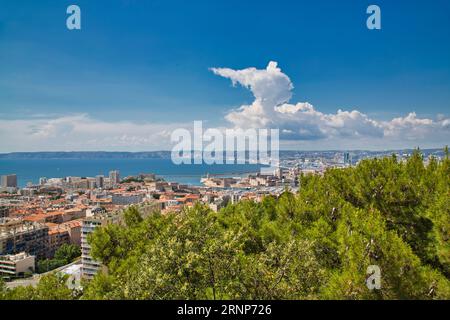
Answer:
(313, 245)
(64, 255)
(50, 287)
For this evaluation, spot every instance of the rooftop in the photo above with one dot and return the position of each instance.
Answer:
(15, 257)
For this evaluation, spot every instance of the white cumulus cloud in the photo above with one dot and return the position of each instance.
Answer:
(271, 108)
(301, 125)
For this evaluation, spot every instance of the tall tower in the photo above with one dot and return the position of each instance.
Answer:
(347, 158)
(99, 181)
(114, 177)
(9, 181)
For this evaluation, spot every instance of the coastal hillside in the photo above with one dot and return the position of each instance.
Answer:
(319, 243)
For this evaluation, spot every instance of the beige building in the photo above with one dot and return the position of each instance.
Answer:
(56, 238)
(16, 265)
(23, 236)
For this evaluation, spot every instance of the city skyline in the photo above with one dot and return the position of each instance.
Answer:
(136, 72)
(224, 152)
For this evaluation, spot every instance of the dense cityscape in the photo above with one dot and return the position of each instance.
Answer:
(224, 159)
(37, 220)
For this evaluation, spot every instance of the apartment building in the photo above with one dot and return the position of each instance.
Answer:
(56, 238)
(17, 264)
(9, 181)
(114, 177)
(90, 267)
(73, 214)
(127, 198)
(17, 236)
(4, 211)
(74, 230)
(99, 181)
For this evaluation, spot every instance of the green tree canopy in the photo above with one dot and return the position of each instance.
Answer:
(316, 244)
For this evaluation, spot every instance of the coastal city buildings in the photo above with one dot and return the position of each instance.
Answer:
(37, 219)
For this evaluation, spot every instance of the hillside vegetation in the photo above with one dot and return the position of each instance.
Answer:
(316, 244)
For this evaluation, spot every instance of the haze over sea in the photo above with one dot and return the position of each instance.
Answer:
(30, 170)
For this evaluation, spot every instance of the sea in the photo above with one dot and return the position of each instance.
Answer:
(30, 170)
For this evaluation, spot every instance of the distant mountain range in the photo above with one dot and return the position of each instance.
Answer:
(167, 154)
(87, 155)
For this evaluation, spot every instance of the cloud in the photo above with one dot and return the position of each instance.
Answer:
(270, 87)
(413, 128)
(272, 90)
(80, 132)
(301, 125)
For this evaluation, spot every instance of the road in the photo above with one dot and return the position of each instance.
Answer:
(34, 280)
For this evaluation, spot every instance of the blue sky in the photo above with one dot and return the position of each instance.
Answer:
(148, 61)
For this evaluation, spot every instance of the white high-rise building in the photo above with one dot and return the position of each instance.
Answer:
(114, 177)
(89, 266)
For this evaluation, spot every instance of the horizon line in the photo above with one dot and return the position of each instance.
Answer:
(281, 150)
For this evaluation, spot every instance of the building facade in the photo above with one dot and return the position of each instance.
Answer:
(16, 265)
(90, 267)
(23, 236)
(99, 181)
(114, 177)
(4, 211)
(9, 181)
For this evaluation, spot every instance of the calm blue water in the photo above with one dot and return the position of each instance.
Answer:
(30, 170)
